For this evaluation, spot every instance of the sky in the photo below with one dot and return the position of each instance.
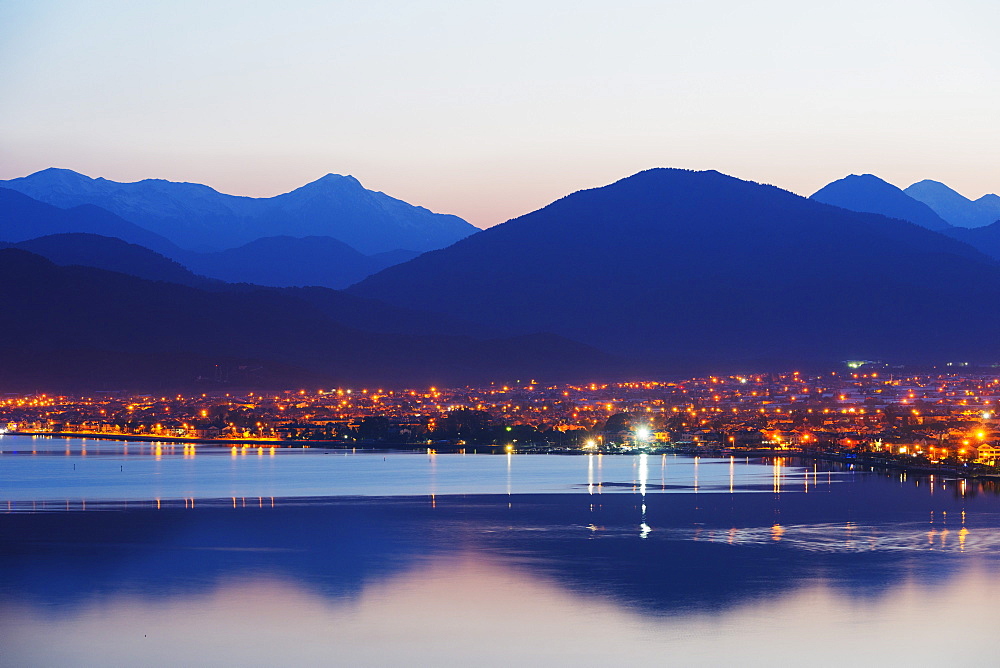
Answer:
(489, 110)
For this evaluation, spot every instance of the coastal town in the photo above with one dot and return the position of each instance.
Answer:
(941, 419)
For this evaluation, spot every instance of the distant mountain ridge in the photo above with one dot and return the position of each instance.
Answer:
(985, 239)
(954, 207)
(869, 194)
(111, 254)
(273, 261)
(197, 217)
(22, 217)
(287, 261)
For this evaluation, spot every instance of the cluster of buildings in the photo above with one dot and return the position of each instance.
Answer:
(941, 417)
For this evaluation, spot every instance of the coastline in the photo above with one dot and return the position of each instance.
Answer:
(861, 459)
(250, 442)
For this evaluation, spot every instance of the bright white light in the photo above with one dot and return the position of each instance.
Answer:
(642, 434)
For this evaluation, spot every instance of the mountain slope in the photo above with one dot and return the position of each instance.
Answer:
(955, 208)
(990, 206)
(112, 254)
(75, 321)
(23, 217)
(985, 239)
(372, 222)
(869, 194)
(702, 269)
(274, 261)
(287, 261)
(199, 218)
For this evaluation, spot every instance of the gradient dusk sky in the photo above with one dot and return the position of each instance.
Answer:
(491, 109)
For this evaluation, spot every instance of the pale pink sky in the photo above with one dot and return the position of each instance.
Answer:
(490, 110)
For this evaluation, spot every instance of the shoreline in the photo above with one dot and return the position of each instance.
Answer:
(261, 442)
(859, 459)
(876, 462)
(150, 438)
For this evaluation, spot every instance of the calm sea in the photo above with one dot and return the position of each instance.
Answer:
(167, 554)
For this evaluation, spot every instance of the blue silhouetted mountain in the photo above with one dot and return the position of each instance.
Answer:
(372, 222)
(71, 327)
(112, 254)
(273, 261)
(287, 261)
(955, 208)
(870, 194)
(990, 205)
(91, 250)
(390, 258)
(984, 239)
(706, 271)
(199, 218)
(23, 217)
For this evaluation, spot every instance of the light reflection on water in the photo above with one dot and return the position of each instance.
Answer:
(467, 610)
(77, 471)
(410, 559)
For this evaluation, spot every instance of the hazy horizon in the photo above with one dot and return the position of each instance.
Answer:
(368, 187)
(489, 112)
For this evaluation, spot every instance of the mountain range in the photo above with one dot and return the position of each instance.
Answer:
(955, 208)
(196, 217)
(80, 326)
(666, 271)
(289, 261)
(112, 254)
(870, 194)
(22, 217)
(702, 270)
(273, 261)
(927, 203)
